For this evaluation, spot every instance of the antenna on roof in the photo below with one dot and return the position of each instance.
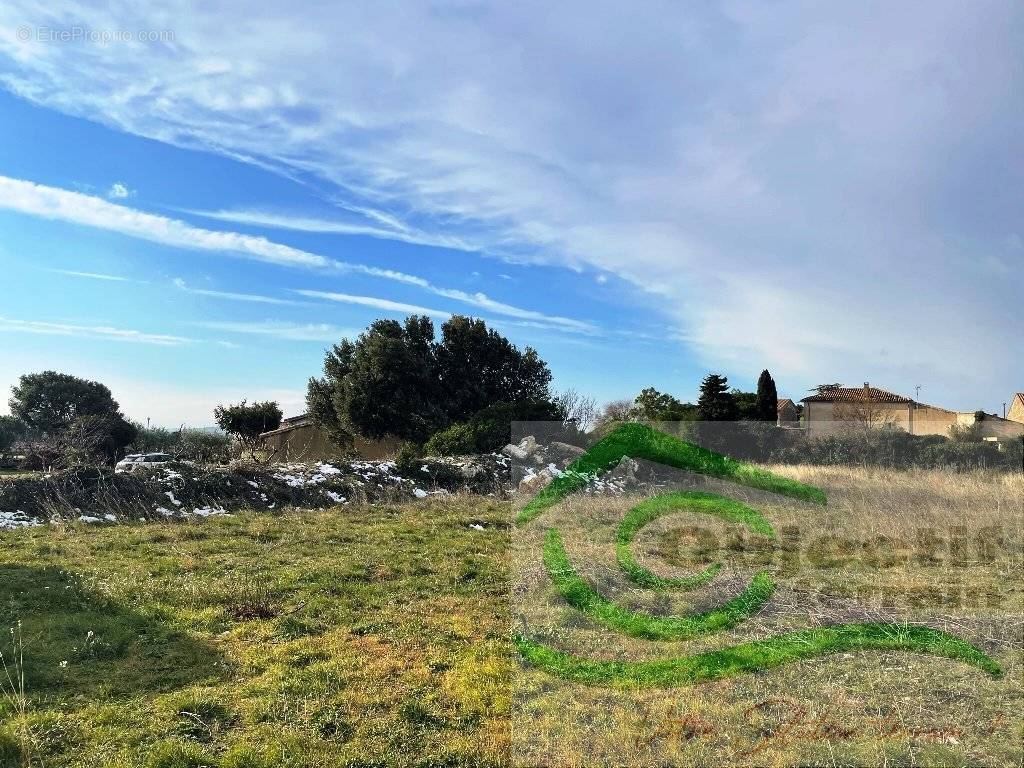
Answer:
(917, 392)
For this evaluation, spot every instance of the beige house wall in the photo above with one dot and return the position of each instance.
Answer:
(829, 418)
(310, 443)
(993, 427)
(932, 421)
(1016, 412)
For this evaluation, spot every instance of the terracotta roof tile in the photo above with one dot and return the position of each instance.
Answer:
(855, 395)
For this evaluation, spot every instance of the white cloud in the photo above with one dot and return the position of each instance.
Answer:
(283, 330)
(849, 159)
(119, 191)
(78, 208)
(11, 325)
(231, 296)
(377, 303)
(87, 210)
(392, 229)
(94, 276)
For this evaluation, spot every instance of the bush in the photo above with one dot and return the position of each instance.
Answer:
(491, 428)
(408, 459)
(895, 449)
(456, 440)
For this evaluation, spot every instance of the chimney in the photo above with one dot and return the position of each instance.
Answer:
(866, 386)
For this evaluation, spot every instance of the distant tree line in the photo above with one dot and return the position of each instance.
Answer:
(717, 403)
(59, 420)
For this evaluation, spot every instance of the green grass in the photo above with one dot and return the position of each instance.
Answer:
(757, 656)
(358, 636)
(651, 509)
(640, 441)
(587, 600)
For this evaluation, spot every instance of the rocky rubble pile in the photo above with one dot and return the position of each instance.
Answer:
(534, 465)
(181, 490)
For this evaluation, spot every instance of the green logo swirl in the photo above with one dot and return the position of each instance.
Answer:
(640, 441)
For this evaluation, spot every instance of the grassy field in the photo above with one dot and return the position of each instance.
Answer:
(382, 635)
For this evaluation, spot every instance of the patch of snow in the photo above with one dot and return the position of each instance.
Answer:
(17, 519)
(208, 511)
(88, 519)
(337, 498)
(419, 493)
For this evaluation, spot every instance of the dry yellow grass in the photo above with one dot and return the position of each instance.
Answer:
(929, 547)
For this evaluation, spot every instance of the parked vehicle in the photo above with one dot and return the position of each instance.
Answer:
(135, 461)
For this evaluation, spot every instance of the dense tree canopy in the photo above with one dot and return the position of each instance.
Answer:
(51, 402)
(11, 428)
(67, 420)
(716, 402)
(397, 380)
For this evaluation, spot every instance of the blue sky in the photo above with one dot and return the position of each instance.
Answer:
(196, 200)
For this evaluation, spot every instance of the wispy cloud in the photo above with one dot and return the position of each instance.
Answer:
(231, 296)
(389, 227)
(78, 208)
(11, 325)
(375, 302)
(90, 211)
(283, 330)
(810, 148)
(119, 191)
(95, 276)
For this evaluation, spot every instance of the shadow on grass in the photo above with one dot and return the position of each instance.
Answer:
(77, 642)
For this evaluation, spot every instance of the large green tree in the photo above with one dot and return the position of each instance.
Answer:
(767, 398)
(50, 402)
(479, 367)
(716, 402)
(246, 421)
(398, 380)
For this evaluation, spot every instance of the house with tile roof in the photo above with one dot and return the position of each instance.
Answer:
(836, 408)
(788, 415)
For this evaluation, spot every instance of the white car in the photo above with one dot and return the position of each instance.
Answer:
(134, 461)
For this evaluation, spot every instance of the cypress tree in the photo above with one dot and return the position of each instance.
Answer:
(767, 397)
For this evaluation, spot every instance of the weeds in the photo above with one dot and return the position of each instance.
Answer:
(15, 695)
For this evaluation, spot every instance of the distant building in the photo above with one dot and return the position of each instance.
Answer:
(1016, 412)
(788, 415)
(833, 409)
(299, 439)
